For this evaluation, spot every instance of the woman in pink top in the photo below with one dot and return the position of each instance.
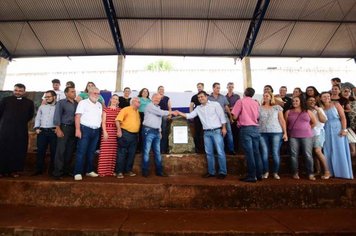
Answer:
(300, 122)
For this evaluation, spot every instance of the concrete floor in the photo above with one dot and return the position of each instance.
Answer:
(41, 220)
(26, 220)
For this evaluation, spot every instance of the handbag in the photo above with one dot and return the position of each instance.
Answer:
(351, 136)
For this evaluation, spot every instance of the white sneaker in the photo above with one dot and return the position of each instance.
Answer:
(312, 177)
(78, 177)
(120, 176)
(276, 176)
(265, 175)
(92, 174)
(296, 176)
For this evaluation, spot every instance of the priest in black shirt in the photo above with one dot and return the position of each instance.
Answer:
(15, 113)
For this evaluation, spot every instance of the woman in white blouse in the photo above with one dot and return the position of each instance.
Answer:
(273, 130)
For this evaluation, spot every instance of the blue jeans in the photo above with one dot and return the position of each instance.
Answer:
(86, 149)
(229, 138)
(44, 138)
(250, 140)
(126, 146)
(270, 142)
(306, 144)
(151, 138)
(214, 139)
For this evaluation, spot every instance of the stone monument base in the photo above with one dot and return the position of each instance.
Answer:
(179, 148)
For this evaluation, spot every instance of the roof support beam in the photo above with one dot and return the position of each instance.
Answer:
(183, 19)
(258, 15)
(4, 52)
(114, 26)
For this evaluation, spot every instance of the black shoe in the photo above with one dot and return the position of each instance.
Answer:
(162, 175)
(231, 153)
(145, 175)
(57, 177)
(69, 174)
(248, 180)
(37, 173)
(259, 178)
(221, 176)
(207, 175)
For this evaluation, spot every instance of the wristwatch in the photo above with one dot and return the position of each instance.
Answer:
(345, 130)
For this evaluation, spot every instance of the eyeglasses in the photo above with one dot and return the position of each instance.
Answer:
(96, 93)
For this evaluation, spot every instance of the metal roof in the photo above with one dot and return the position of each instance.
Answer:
(303, 28)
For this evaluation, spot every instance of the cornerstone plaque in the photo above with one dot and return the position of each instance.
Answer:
(180, 139)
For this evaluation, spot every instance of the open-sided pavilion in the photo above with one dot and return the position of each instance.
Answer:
(230, 28)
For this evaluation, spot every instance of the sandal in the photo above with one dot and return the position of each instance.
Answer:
(14, 175)
(326, 175)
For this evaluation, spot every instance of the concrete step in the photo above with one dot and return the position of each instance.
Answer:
(30, 221)
(178, 192)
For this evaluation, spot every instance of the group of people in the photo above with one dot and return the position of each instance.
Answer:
(318, 125)
(76, 123)
(313, 124)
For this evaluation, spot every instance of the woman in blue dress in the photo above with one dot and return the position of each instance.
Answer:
(336, 147)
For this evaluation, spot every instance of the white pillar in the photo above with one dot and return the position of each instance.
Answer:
(3, 67)
(120, 72)
(246, 72)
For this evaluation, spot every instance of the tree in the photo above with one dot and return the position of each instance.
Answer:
(160, 65)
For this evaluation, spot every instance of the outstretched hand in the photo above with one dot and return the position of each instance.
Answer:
(175, 113)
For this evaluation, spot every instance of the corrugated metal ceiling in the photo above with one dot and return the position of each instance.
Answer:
(315, 10)
(314, 28)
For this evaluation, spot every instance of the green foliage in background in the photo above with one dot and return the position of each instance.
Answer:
(160, 65)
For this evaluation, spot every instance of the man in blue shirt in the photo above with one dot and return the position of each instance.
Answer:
(221, 99)
(64, 122)
(213, 120)
(45, 131)
(151, 135)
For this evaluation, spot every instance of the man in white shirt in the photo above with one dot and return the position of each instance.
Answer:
(56, 84)
(87, 130)
(214, 121)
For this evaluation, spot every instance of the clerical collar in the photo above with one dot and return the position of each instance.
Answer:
(19, 98)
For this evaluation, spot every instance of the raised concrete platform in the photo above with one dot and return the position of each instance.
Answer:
(175, 164)
(78, 221)
(178, 192)
(182, 204)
